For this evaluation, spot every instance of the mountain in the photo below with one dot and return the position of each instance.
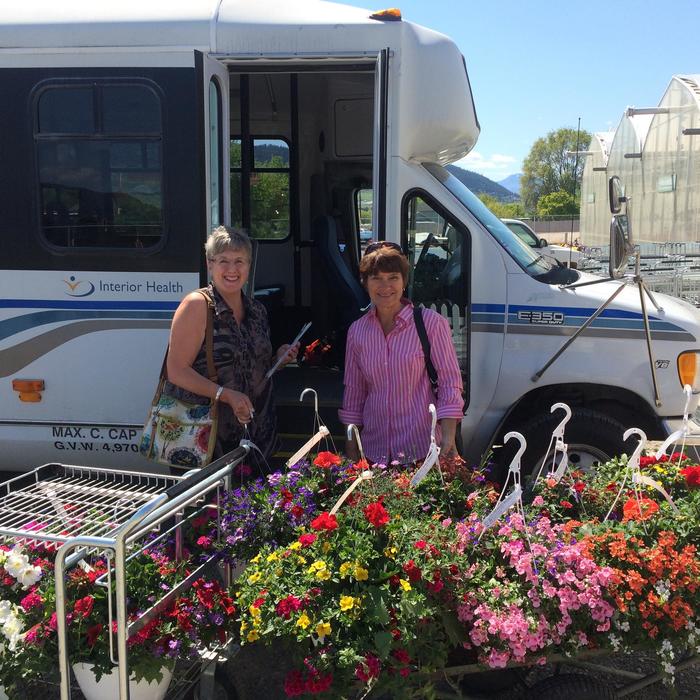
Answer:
(512, 183)
(478, 184)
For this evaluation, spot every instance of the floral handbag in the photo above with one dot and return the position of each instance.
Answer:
(177, 433)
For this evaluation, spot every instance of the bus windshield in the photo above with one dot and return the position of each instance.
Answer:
(530, 260)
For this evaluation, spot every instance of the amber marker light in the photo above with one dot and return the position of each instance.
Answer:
(688, 369)
(393, 14)
(29, 389)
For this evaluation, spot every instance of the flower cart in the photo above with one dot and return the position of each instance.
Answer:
(107, 533)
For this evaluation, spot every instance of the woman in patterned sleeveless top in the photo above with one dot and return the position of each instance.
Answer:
(241, 344)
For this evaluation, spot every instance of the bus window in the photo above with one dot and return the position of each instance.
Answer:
(99, 155)
(438, 256)
(215, 153)
(363, 215)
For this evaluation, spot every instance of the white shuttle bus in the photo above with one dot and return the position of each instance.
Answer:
(129, 129)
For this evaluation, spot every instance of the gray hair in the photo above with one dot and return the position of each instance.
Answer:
(223, 238)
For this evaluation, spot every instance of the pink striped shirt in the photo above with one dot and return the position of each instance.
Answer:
(387, 390)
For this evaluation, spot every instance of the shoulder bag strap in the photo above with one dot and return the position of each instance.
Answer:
(425, 343)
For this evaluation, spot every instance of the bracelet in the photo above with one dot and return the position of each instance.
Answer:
(219, 391)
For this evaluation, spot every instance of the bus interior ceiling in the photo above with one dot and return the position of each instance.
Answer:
(317, 127)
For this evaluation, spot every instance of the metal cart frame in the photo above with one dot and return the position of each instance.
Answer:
(112, 510)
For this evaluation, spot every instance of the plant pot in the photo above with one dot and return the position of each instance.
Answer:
(108, 685)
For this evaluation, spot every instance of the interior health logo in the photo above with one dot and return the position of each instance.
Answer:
(79, 288)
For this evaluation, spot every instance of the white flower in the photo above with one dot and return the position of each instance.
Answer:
(5, 610)
(15, 562)
(12, 629)
(615, 641)
(29, 576)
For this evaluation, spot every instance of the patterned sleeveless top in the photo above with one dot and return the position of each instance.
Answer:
(242, 356)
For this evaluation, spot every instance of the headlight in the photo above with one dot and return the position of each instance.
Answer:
(689, 369)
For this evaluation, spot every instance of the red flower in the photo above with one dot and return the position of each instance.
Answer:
(31, 601)
(647, 461)
(579, 486)
(326, 460)
(642, 510)
(294, 684)
(325, 521)
(286, 496)
(421, 544)
(566, 504)
(316, 683)
(204, 541)
(376, 514)
(287, 606)
(83, 607)
(368, 669)
(93, 633)
(692, 476)
(307, 539)
(412, 571)
(297, 511)
(401, 655)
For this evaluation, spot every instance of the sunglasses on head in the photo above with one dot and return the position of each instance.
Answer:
(378, 245)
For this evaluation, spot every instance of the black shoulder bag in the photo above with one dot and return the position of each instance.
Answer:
(425, 343)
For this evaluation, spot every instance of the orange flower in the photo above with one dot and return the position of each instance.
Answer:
(641, 509)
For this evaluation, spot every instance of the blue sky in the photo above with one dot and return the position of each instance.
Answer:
(538, 65)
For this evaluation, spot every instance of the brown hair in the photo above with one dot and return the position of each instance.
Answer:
(383, 258)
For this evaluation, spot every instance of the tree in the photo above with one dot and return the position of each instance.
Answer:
(551, 165)
(503, 210)
(557, 203)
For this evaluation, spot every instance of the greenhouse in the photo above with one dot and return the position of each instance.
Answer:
(670, 201)
(656, 154)
(595, 212)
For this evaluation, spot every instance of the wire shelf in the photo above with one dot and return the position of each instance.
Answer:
(57, 502)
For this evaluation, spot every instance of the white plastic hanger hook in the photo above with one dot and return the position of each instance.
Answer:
(634, 459)
(314, 392)
(688, 391)
(559, 430)
(515, 462)
(433, 423)
(353, 432)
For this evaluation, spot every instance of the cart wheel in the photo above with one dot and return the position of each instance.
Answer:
(493, 681)
(571, 686)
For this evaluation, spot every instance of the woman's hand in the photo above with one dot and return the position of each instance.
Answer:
(240, 404)
(289, 352)
(448, 447)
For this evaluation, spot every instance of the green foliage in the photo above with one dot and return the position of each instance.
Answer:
(503, 210)
(552, 165)
(558, 203)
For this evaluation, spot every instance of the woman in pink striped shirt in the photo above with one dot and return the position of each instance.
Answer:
(387, 389)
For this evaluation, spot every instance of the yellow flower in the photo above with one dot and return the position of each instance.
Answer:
(253, 636)
(323, 575)
(318, 565)
(301, 560)
(405, 584)
(326, 547)
(323, 629)
(389, 552)
(255, 559)
(273, 556)
(254, 578)
(345, 568)
(244, 626)
(303, 621)
(346, 602)
(295, 545)
(255, 612)
(360, 573)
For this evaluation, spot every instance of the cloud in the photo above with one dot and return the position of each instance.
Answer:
(495, 164)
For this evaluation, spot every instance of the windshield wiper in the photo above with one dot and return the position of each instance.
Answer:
(536, 260)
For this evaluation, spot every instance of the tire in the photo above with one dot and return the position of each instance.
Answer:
(592, 438)
(571, 686)
(491, 682)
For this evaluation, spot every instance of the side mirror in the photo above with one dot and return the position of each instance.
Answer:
(616, 194)
(542, 243)
(621, 246)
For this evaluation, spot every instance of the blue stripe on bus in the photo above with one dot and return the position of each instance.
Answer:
(84, 304)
